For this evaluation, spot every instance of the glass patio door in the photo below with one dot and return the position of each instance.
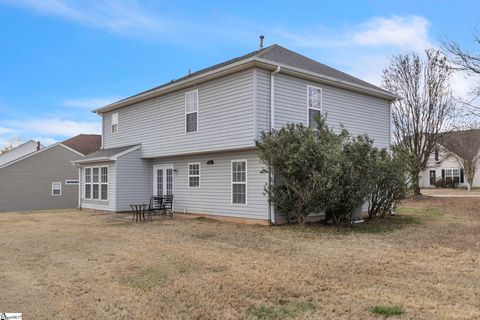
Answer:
(163, 180)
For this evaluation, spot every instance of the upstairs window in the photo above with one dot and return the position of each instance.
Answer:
(194, 175)
(56, 188)
(436, 154)
(314, 107)
(191, 111)
(115, 122)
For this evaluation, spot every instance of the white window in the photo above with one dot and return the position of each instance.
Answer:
(115, 122)
(314, 105)
(194, 175)
(239, 182)
(56, 188)
(88, 183)
(104, 183)
(96, 183)
(191, 111)
(452, 174)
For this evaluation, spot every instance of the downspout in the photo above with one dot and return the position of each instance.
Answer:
(271, 209)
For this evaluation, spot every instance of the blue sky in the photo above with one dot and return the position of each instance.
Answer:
(61, 59)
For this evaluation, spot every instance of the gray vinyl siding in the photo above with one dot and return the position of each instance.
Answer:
(225, 119)
(134, 180)
(263, 101)
(359, 113)
(27, 184)
(213, 197)
(107, 205)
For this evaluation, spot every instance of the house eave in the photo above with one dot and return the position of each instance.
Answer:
(214, 74)
(239, 66)
(316, 77)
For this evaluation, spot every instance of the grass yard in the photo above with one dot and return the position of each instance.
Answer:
(424, 264)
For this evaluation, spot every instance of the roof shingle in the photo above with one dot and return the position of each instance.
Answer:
(84, 143)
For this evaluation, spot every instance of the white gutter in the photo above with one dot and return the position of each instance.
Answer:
(271, 209)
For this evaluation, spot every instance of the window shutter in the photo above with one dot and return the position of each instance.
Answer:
(462, 180)
(443, 174)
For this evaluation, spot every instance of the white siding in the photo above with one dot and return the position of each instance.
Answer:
(213, 197)
(225, 119)
(359, 113)
(263, 102)
(108, 205)
(134, 180)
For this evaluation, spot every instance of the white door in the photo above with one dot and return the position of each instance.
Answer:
(163, 180)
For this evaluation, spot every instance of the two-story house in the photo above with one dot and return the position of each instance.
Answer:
(194, 137)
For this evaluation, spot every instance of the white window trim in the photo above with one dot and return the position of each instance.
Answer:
(308, 102)
(185, 109)
(60, 184)
(453, 176)
(100, 183)
(246, 182)
(112, 124)
(199, 174)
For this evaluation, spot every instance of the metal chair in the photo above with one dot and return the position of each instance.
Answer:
(167, 205)
(155, 206)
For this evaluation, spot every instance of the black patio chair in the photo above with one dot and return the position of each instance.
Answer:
(167, 205)
(155, 206)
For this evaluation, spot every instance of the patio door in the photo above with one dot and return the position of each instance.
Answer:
(163, 180)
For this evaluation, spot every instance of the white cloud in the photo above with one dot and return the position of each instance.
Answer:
(45, 141)
(89, 103)
(120, 17)
(54, 127)
(4, 130)
(409, 32)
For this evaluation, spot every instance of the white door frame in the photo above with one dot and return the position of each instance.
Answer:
(154, 182)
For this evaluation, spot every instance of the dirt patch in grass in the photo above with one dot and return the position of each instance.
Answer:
(81, 265)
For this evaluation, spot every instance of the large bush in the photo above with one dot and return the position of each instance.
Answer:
(303, 161)
(353, 184)
(317, 170)
(389, 182)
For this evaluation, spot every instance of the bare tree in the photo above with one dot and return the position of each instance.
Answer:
(466, 61)
(424, 105)
(11, 143)
(465, 146)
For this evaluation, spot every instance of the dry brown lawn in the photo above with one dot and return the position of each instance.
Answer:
(83, 265)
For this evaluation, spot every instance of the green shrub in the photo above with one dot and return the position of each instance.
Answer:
(389, 182)
(388, 311)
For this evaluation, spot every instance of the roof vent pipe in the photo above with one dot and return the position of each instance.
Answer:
(261, 42)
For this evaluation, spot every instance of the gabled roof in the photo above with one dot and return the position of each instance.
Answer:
(271, 57)
(58, 144)
(107, 154)
(84, 143)
(461, 141)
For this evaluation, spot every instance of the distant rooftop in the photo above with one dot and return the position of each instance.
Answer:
(84, 143)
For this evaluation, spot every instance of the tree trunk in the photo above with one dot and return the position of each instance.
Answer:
(470, 185)
(416, 183)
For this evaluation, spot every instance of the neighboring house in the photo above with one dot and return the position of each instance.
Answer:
(20, 151)
(46, 178)
(194, 137)
(446, 162)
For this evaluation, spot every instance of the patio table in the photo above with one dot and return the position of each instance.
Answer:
(138, 211)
